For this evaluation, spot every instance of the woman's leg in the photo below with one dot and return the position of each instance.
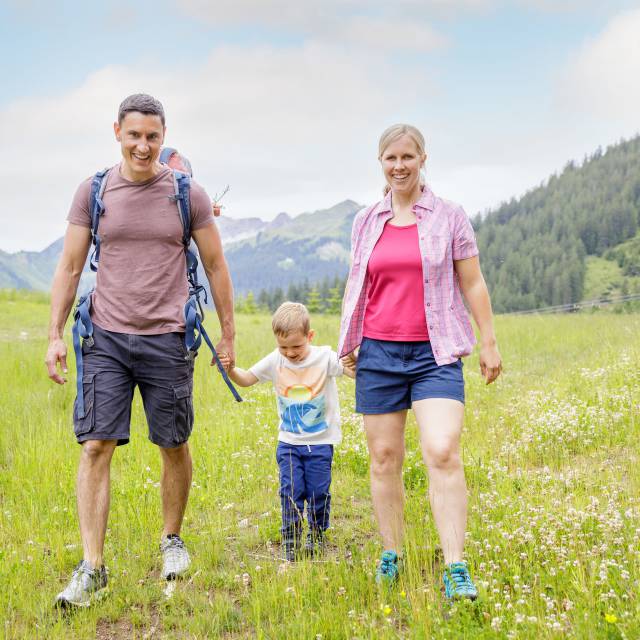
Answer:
(385, 439)
(440, 424)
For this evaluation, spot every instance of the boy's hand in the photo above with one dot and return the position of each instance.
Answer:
(225, 360)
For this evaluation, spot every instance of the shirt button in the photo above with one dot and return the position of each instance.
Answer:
(426, 280)
(428, 304)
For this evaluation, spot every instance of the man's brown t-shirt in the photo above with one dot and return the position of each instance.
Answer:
(141, 284)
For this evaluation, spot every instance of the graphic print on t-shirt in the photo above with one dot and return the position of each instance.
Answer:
(301, 401)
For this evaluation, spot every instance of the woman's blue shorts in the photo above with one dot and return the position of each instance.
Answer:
(390, 376)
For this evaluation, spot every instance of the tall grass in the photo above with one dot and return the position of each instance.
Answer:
(551, 458)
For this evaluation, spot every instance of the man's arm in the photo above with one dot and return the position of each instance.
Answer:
(475, 291)
(209, 246)
(77, 240)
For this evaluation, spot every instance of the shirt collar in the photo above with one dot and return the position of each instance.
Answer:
(426, 201)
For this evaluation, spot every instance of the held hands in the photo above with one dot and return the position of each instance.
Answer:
(490, 362)
(56, 353)
(349, 364)
(226, 353)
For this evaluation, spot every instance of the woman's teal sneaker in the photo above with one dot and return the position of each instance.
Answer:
(458, 583)
(388, 571)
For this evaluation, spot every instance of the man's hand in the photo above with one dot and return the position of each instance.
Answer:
(56, 353)
(226, 353)
(490, 362)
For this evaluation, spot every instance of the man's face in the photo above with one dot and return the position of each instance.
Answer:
(140, 136)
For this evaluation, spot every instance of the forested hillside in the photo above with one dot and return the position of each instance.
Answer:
(533, 249)
(573, 237)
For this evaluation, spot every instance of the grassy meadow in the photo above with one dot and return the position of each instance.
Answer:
(551, 456)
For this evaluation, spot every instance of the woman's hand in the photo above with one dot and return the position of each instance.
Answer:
(490, 362)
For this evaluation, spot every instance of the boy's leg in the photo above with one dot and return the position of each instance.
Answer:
(292, 492)
(317, 473)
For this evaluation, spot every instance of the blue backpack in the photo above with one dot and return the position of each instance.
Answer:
(193, 311)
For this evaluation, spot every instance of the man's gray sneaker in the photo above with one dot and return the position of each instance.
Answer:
(86, 585)
(175, 557)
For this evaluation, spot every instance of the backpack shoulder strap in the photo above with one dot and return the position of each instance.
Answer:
(96, 209)
(182, 197)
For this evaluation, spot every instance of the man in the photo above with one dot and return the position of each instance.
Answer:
(138, 339)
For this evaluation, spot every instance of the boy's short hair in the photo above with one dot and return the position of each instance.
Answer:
(290, 317)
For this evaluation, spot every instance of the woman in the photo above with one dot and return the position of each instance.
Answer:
(414, 256)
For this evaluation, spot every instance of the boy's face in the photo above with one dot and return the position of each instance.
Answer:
(295, 346)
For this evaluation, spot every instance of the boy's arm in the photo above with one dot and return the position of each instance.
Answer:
(242, 378)
(339, 367)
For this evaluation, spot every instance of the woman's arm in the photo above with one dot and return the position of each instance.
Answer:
(475, 291)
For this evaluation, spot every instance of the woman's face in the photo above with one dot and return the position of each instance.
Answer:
(401, 164)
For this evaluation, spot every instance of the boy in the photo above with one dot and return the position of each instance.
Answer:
(307, 397)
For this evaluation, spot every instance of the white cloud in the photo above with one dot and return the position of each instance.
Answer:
(391, 34)
(288, 129)
(601, 79)
(402, 26)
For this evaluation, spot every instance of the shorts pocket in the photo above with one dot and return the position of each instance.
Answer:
(182, 413)
(84, 425)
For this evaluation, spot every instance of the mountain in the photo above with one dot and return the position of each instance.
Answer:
(260, 254)
(574, 237)
(310, 247)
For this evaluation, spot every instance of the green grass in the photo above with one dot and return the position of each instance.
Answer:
(551, 456)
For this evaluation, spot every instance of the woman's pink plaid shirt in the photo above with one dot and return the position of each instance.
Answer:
(445, 234)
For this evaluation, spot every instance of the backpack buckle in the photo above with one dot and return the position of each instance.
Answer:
(191, 355)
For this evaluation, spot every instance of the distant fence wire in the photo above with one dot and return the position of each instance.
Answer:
(576, 306)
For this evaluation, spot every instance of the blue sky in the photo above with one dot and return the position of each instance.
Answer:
(285, 101)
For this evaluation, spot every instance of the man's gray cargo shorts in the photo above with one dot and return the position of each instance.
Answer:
(118, 362)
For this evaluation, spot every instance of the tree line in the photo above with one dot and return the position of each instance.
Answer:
(319, 297)
(533, 249)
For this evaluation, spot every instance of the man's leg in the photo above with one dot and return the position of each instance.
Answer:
(175, 484)
(92, 491)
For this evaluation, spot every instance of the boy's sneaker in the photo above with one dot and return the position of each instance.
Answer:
(315, 544)
(86, 585)
(388, 571)
(458, 583)
(291, 549)
(176, 559)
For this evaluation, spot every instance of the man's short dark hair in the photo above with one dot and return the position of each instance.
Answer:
(142, 103)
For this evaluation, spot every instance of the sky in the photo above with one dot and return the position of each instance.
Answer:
(285, 101)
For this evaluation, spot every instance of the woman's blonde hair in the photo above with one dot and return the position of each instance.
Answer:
(395, 131)
(289, 318)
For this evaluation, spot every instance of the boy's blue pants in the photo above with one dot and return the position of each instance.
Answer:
(305, 475)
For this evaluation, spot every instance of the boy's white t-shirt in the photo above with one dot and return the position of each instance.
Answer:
(307, 395)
